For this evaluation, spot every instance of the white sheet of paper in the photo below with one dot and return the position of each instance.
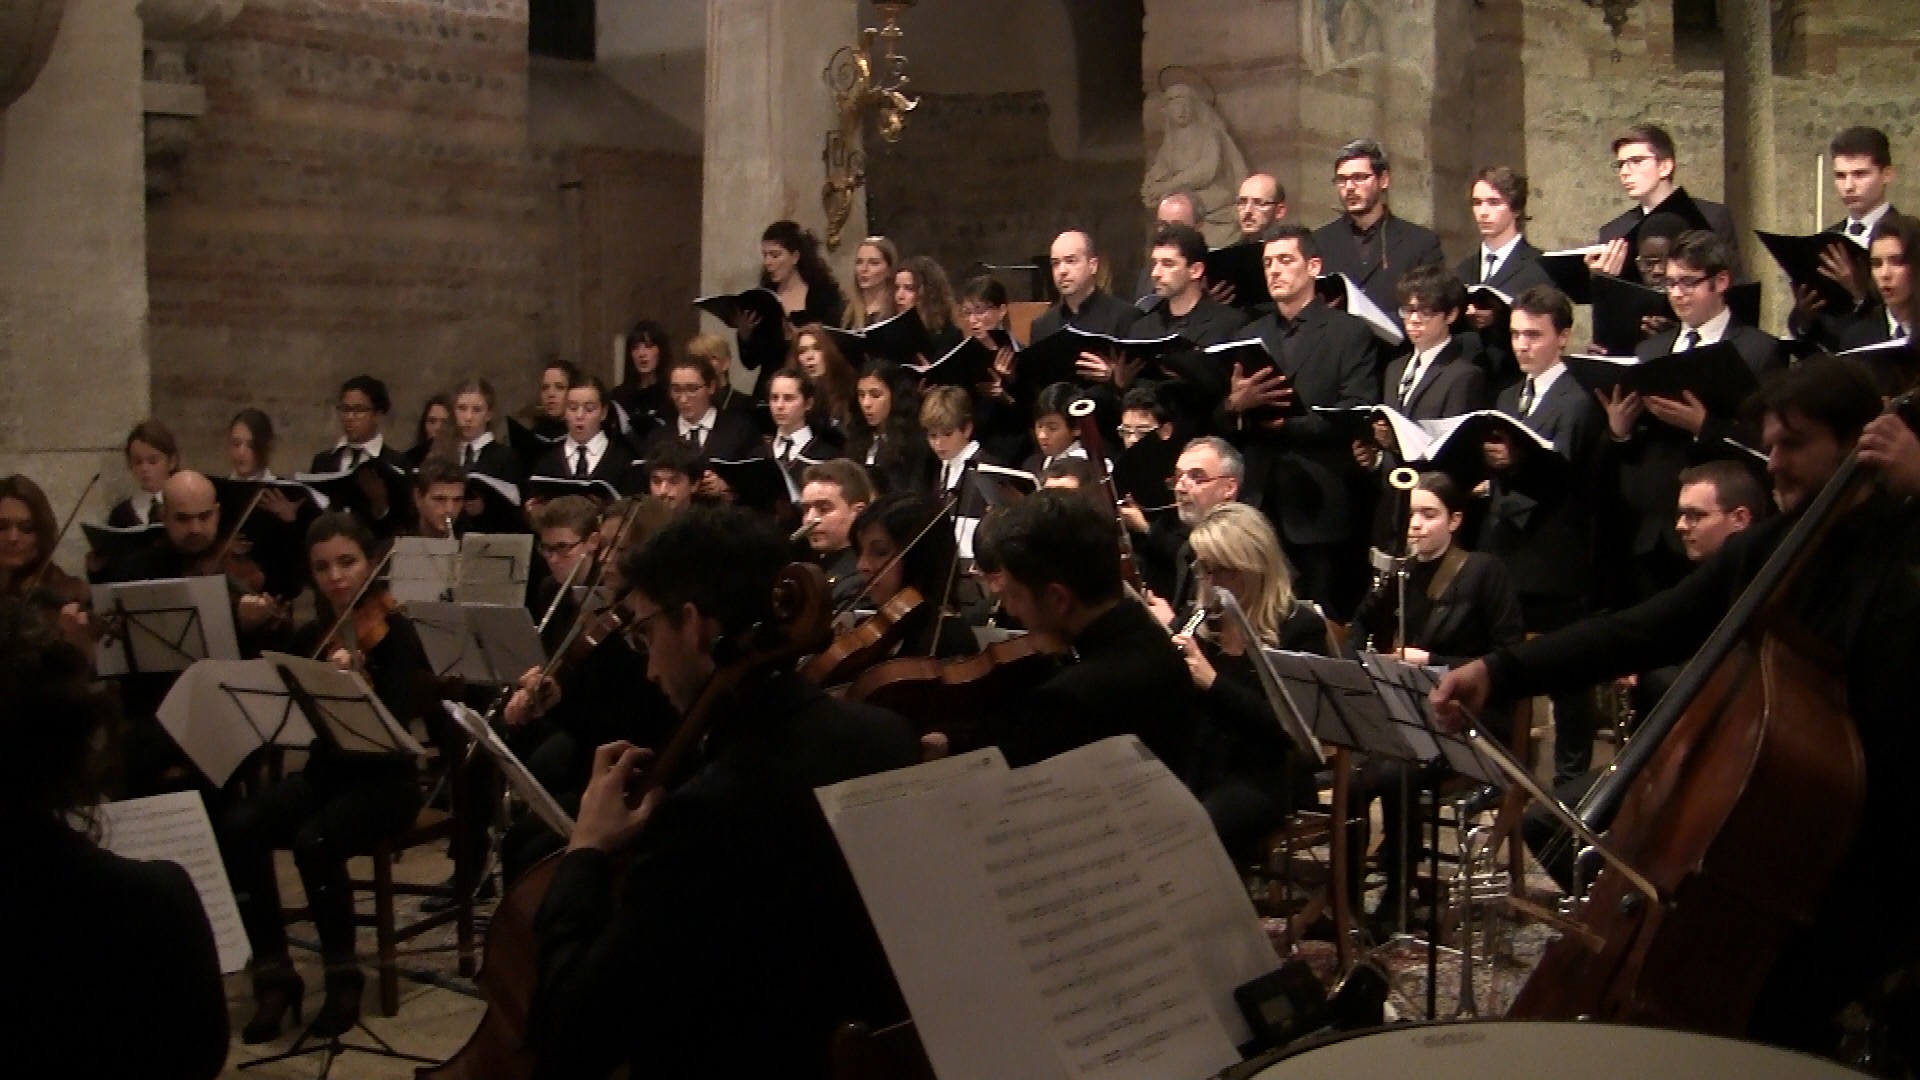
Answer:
(423, 568)
(221, 711)
(172, 622)
(174, 827)
(900, 783)
(963, 530)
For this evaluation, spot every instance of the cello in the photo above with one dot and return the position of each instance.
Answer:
(1727, 815)
(510, 960)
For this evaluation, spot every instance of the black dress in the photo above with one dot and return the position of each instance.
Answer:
(115, 960)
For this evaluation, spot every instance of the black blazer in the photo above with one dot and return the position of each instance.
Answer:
(691, 900)
(1407, 246)
(1866, 327)
(1128, 680)
(1451, 385)
(818, 447)
(1518, 272)
(1717, 215)
(335, 459)
(123, 515)
(1209, 323)
(1476, 614)
(613, 467)
(1539, 518)
(733, 437)
(497, 459)
(102, 939)
(1102, 314)
(1301, 475)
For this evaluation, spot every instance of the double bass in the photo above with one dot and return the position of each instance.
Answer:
(1726, 817)
(509, 972)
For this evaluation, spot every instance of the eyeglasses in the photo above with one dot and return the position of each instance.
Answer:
(1194, 478)
(1341, 180)
(1423, 314)
(1633, 162)
(976, 311)
(1686, 284)
(1247, 202)
(555, 551)
(1137, 430)
(684, 390)
(632, 633)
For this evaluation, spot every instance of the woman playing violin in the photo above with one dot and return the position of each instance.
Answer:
(339, 803)
(880, 533)
(27, 536)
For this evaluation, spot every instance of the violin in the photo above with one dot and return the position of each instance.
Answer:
(859, 648)
(951, 696)
(510, 963)
(367, 614)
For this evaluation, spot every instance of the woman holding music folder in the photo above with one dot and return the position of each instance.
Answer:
(340, 803)
(112, 960)
(1244, 769)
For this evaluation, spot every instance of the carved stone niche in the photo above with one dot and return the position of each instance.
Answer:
(170, 91)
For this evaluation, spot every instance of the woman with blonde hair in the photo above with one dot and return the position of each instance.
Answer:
(1244, 770)
(874, 262)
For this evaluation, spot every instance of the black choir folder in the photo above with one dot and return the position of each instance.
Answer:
(1716, 374)
(1070, 920)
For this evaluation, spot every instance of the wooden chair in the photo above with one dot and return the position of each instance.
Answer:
(429, 827)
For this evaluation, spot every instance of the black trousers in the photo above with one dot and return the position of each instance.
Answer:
(323, 819)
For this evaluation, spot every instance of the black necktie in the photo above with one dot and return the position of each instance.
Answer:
(580, 463)
(1492, 260)
(1688, 340)
(468, 458)
(1856, 228)
(354, 455)
(1526, 397)
(694, 434)
(1407, 379)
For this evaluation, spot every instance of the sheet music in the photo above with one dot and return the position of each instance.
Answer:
(1024, 918)
(885, 787)
(494, 568)
(354, 716)
(485, 644)
(423, 568)
(539, 799)
(171, 622)
(174, 828)
(220, 711)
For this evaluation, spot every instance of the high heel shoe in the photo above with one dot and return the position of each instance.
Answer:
(275, 993)
(341, 1009)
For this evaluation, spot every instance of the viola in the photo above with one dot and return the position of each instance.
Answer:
(951, 696)
(510, 963)
(369, 624)
(861, 647)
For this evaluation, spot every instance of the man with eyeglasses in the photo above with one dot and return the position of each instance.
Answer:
(1645, 160)
(1656, 437)
(675, 881)
(1367, 242)
(1209, 472)
(1261, 202)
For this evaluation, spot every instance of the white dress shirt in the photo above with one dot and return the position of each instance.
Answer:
(704, 424)
(1500, 256)
(1865, 235)
(596, 449)
(952, 469)
(1707, 333)
(1417, 367)
(368, 451)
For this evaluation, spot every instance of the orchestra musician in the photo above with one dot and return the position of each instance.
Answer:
(831, 497)
(655, 944)
(340, 803)
(27, 534)
(91, 938)
(1244, 769)
(883, 529)
(1857, 591)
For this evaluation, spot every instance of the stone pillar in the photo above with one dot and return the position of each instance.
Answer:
(73, 288)
(1748, 103)
(767, 117)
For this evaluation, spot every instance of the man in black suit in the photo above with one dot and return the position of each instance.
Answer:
(1539, 513)
(698, 856)
(1858, 594)
(1656, 438)
(1368, 243)
(1076, 271)
(1300, 467)
(587, 453)
(1506, 262)
(1053, 560)
(1438, 379)
(831, 498)
(1862, 171)
(1644, 157)
(1181, 304)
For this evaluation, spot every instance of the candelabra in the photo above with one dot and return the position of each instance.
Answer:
(869, 82)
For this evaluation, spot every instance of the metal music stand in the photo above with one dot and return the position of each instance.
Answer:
(484, 644)
(164, 626)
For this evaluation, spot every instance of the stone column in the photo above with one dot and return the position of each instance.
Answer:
(73, 288)
(767, 116)
(1748, 103)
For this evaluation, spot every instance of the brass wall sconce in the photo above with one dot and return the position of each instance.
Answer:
(868, 81)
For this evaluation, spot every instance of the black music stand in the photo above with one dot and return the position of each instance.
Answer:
(342, 713)
(484, 644)
(164, 626)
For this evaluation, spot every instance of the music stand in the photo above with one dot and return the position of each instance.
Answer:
(484, 644)
(538, 799)
(494, 568)
(164, 625)
(423, 568)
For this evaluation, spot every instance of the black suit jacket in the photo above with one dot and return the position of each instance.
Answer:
(124, 516)
(1128, 680)
(1717, 215)
(613, 467)
(497, 459)
(1301, 475)
(1451, 385)
(97, 935)
(1342, 251)
(1477, 613)
(693, 902)
(733, 437)
(335, 459)
(1539, 514)
(1102, 314)
(1867, 327)
(1518, 272)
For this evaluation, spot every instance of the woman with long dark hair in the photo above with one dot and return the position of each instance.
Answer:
(436, 416)
(920, 283)
(881, 532)
(643, 388)
(790, 267)
(885, 433)
(27, 534)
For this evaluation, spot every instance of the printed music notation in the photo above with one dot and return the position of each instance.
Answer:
(175, 828)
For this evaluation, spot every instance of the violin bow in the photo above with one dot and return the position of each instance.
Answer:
(947, 504)
(41, 574)
(346, 614)
(233, 534)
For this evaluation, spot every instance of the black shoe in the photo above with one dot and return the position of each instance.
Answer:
(434, 905)
(341, 1009)
(1480, 800)
(276, 991)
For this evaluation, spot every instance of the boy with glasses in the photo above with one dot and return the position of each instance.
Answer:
(1646, 162)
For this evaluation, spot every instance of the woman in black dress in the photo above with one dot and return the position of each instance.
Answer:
(882, 530)
(340, 803)
(920, 283)
(885, 435)
(643, 386)
(791, 268)
(435, 415)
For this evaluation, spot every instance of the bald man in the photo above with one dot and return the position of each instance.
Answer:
(191, 515)
(1262, 201)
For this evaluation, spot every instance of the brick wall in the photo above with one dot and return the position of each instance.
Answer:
(976, 178)
(361, 197)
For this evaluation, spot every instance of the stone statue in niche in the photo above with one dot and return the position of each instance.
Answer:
(1338, 33)
(1197, 155)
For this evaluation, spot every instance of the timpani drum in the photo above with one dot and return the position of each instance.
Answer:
(1530, 1050)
